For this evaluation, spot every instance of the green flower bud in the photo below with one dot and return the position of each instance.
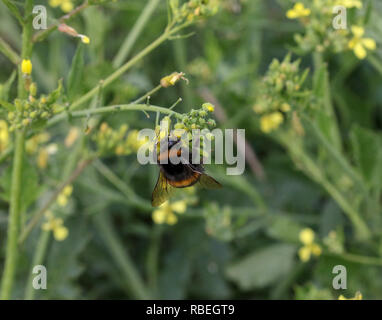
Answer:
(33, 89)
(33, 114)
(179, 125)
(11, 115)
(202, 113)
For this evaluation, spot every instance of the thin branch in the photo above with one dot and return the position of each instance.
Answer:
(148, 94)
(119, 72)
(36, 218)
(15, 11)
(39, 36)
(133, 35)
(6, 49)
(112, 109)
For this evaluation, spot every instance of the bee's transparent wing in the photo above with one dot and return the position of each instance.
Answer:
(205, 180)
(208, 182)
(162, 191)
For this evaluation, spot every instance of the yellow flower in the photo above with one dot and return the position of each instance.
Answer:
(271, 121)
(306, 236)
(60, 232)
(171, 79)
(285, 107)
(65, 5)
(34, 142)
(304, 253)
(132, 141)
(26, 66)
(359, 44)
(165, 213)
(358, 296)
(350, 3)
(298, 11)
(84, 39)
(62, 198)
(72, 136)
(4, 135)
(208, 107)
(42, 158)
(54, 3)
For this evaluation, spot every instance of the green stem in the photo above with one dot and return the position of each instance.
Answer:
(38, 259)
(40, 213)
(122, 186)
(319, 64)
(152, 260)
(240, 183)
(12, 249)
(9, 52)
(135, 32)
(357, 258)
(181, 62)
(317, 175)
(116, 74)
(44, 237)
(121, 257)
(148, 94)
(336, 155)
(14, 219)
(113, 109)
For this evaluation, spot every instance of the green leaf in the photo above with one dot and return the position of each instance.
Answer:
(55, 94)
(5, 88)
(6, 105)
(76, 70)
(367, 153)
(262, 267)
(15, 11)
(284, 228)
(325, 124)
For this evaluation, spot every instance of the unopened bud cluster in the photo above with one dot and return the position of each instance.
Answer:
(119, 142)
(186, 127)
(280, 93)
(197, 119)
(25, 112)
(193, 10)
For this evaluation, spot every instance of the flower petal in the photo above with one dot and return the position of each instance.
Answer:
(159, 216)
(304, 253)
(60, 233)
(358, 31)
(291, 14)
(171, 219)
(306, 236)
(360, 51)
(369, 43)
(179, 206)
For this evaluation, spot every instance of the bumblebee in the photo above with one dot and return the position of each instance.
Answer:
(181, 175)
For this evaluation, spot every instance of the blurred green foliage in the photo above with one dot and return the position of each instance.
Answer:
(238, 242)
